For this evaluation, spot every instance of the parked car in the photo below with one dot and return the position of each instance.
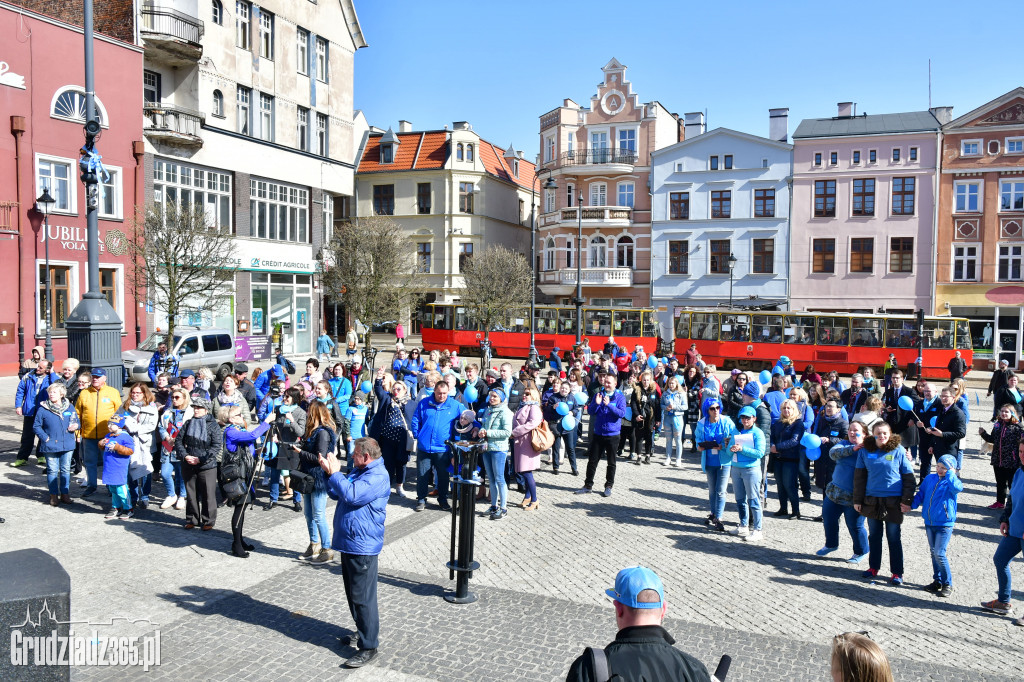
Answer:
(195, 346)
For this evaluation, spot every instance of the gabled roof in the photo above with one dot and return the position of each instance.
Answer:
(721, 132)
(877, 124)
(496, 165)
(414, 151)
(986, 108)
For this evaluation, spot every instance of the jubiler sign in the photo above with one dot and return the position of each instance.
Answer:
(77, 238)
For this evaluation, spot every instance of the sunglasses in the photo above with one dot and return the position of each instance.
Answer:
(713, 407)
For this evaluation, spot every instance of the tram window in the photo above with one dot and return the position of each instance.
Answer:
(705, 326)
(901, 333)
(566, 321)
(867, 331)
(834, 331)
(799, 329)
(938, 333)
(627, 322)
(546, 320)
(963, 335)
(520, 321)
(464, 321)
(768, 328)
(598, 322)
(442, 317)
(651, 326)
(683, 326)
(736, 328)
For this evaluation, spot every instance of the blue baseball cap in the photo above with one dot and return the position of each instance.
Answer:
(748, 411)
(117, 420)
(630, 582)
(187, 373)
(99, 372)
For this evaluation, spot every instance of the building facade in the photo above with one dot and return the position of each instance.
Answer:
(43, 104)
(720, 219)
(980, 246)
(600, 158)
(864, 192)
(248, 112)
(454, 194)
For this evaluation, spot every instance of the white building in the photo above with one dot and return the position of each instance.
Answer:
(720, 219)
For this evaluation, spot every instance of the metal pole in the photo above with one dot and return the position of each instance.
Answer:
(48, 348)
(730, 285)
(91, 187)
(533, 269)
(579, 269)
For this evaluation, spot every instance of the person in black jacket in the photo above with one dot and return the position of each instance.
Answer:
(642, 649)
(853, 398)
(646, 406)
(318, 441)
(957, 366)
(832, 429)
(901, 421)
(1008, 395)
(1000, 377)
(942, 438)
(197, 446)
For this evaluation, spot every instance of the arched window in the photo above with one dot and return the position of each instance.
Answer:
(459, 152)
(218, 103)
(69, 105)
(624, 252)
(598, 252)
(218, 13)
(549, 254)
(469, 152)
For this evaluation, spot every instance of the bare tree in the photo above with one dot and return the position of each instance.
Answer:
(372, 270)
(180, 259)
(498, 284)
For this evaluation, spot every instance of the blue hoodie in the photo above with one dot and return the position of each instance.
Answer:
(32, 390)
(720, 431)
(938, 495)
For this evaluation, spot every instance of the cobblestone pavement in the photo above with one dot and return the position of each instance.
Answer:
(773, 607)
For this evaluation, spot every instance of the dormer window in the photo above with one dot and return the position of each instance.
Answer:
(387, 153)
(515, 167)
(460, 152)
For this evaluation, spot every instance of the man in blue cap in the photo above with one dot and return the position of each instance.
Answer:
(642, 649)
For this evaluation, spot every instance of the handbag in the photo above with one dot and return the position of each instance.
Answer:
(541, 437)
(411, 444)
(301, 482)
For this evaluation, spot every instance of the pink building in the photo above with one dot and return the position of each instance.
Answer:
(863, 211)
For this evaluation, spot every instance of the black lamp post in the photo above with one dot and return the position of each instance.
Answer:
(44, 204)
(732, 265)
(549, 184)
(579, 269)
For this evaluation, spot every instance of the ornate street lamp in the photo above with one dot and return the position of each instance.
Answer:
(732, 264)
(549, 184)
(44, 204)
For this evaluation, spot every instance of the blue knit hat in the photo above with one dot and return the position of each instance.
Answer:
(501, 393)
(753, 389)
(948, 461)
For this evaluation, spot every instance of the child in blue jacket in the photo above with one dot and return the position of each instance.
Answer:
(937, 499)
(118, 447)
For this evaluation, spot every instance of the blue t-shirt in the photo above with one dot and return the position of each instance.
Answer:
(357, 420)
(885, 470)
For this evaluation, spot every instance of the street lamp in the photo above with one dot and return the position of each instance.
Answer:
(549, 184)
(43, 204)
(579, 269)
(732, 264)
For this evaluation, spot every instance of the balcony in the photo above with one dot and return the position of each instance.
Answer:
(171, 125)
(602, 160)
(171, 37)
(593, 216)
(562, 282)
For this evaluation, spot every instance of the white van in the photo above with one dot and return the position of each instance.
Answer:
(195, 346)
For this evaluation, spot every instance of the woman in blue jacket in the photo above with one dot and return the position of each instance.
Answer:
(786, 435)
(713, 433)
(1011, 526)
(55, 424)
(838, 499)
(937, 499)
(746, 473)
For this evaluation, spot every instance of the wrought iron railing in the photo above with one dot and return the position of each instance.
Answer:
(173, 23)
(581, 157)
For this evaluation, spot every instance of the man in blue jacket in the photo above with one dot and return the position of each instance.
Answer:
(31, 393)
(606, 409)
(431, 424)
(162, 361)
(362, 497)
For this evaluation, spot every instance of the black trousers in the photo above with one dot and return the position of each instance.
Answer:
(1004, 476)
(641, 434)
(28, 438)
(201, 495)
(237, 519)
(602, 446)
(359, 571)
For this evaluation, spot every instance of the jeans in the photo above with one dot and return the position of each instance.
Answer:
(938, 541)
(830, 513)
(1008, 548)
(785, 480)
(673, 440)
(569, 438)
(140, 489)
(91, 455)
(892, 536)
(746, 486)
(359, 573)
(718, 482)
(602, 445)
(173, 480)
(315, 511)
(494, 465)
(58, 472)
(439, 462)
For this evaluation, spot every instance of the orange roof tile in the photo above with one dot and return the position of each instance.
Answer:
(495, 164)
(432, 147)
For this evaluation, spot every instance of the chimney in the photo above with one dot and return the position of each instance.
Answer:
(778, 124)
(461, 125)
(404, 127)
(693, 125)
(845, 109)
(942, 114)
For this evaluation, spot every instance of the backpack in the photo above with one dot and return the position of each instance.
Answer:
(288, 365)
(599, 662)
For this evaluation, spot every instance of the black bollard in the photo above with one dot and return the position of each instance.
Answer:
(463, 520)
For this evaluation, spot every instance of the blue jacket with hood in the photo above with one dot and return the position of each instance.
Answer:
(431, 423)
(937, 496)
(720, 432)
(362, 497)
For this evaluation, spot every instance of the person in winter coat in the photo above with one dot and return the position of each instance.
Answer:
(69, 375)
(1010, 393)
(944, 436)
(30, 394)
(1000, 377)
(238, 461)
(734, 395)
(117, 448)
(95, 405)
(775, 395)
(318, 442)
(956, 366)
(883, 490)
(289, 427)
(901, 421)
(496, 429)
(871, 383)
(359, 517)
(554, 361)
(746, 450)
(141, 420)
(1005, 438)
(646, 406)
(322, 395)
(55, 424)
(937, 499)
(411, 369)
(527, 460)
(785, 445)
(32, 361)
(197, 445)
(341, 387)
(162, 361)
(606, 408)
(171, 422)
(713, 434)
(389, 428)
(431, 423)
(830, 426)
(674, 405)
(325, 345)
(1011, 527)
(563, 436)
(838, 500)
(763, 422)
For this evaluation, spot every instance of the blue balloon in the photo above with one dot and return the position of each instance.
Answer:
(366, 387)
(471, 394)
(562, 409)
(652, 361)
(568, 422)
(810, 441)
(581, 398)
(813, 453)
(906, 403)
(932, 422)
(765, 377)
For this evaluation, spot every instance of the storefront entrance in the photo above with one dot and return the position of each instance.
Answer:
(282, 307)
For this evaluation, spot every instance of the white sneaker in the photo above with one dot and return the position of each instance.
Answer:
(755, 536)
(168, 503)
(180, 504)
(741, 531)
(400, 491)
